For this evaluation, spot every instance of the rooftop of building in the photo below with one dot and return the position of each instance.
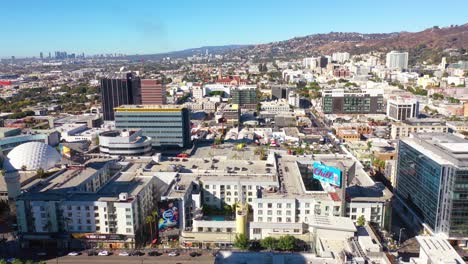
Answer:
(438, 251)
(143, 108)
(444, 148)
(424, 122)
(75, 119)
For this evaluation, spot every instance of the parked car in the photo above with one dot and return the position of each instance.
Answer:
(137, 253)
(103, 253)
(173, 254)
(124, 254)
(154, 254)
(92, 253)
(73, 254)
(195, 254)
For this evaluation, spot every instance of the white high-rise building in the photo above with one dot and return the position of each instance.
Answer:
(402, 109)
(340, 57)
(397, 60)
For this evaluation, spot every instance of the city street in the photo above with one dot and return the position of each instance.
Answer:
(205, 259)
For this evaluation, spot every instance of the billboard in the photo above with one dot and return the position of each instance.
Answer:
(327, 174)
(168, 215)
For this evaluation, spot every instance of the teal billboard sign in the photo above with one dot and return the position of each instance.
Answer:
(327, 174)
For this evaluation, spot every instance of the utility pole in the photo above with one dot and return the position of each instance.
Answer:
(399, 237)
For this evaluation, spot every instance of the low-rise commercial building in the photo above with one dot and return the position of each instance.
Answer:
(415, 125)
(125, 143)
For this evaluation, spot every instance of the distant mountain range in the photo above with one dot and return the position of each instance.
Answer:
(433, 39)
(188, 52)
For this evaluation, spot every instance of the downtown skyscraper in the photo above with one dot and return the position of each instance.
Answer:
(119, 89)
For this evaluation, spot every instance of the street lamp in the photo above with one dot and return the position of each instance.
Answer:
(399, 237)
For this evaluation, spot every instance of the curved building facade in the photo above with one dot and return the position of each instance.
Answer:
(125, 143)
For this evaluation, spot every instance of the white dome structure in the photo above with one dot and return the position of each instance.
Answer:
(33, 155)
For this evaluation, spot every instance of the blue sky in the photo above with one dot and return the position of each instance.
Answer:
(152, 26)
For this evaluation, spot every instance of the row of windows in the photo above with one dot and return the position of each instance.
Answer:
(278, 212)
(278, 219)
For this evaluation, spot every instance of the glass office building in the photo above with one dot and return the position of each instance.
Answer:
(167, 125)
(432, 181)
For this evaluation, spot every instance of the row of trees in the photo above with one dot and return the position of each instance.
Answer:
(18, 261)
(284, 243)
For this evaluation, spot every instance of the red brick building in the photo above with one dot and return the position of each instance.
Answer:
(152, 92)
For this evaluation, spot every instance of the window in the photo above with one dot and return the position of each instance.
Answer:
(278, 212)
(249, 193)
(228, 193)
(269, 219)
(129, 230)
(127, 210)
(87, 207)
(326, 208)
(250, 187)
(288, 212)
(288, 219)
(260, 205)
(88, 222)
(307, 211)
(257, 231)
(288, 205)
(278, 219)
(270, 205)
(307, 205)
(229, 230)
(269, 212)
(362, 210)
(129, 223)
(260, 212)
(353, 217)
(353, 210)
(207, 186)
(200, 229)
(228, 187)
(278, 205)
(260, 219)
(296, 230)
(128, 216)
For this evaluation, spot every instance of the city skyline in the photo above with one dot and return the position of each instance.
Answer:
(165, 27)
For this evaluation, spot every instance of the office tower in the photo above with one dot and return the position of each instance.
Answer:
(167, 125)
(432, 183)
(340, 57)
(13, 59)
(353, 101)
(41, 55)
(245, 97)
(153, 92)
(119, 89)
(323, 62)
(397, 60)
(402, 109)
(50, 56)
(280, 92)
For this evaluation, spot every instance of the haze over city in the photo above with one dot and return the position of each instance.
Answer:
(146, 27)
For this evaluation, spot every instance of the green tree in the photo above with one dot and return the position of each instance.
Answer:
(149, 220)
(287, 243)
(2, 261)
(361, 221)
(40, 172)
(241, 242)
(269, 243)
(17, 261)
(29, 262)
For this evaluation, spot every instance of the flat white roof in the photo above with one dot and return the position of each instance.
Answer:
(438, 250)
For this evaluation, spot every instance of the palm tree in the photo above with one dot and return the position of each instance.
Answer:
(149, 220)
(155, 216)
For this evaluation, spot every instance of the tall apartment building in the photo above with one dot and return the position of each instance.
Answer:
(340, 57)
(432, 183)
(152, 92)
(281, 92)
(245, 97)
(397, 60)
(402, 109)
(353, 101)
(167, 125)
(119, 89)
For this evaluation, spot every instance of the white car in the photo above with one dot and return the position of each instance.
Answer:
(103, 253)
(173, 254)
(73, 254)
(124, 253)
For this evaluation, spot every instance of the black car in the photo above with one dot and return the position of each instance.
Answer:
(92, 253)
(137, 253)
(193, 254)
(154, 254)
